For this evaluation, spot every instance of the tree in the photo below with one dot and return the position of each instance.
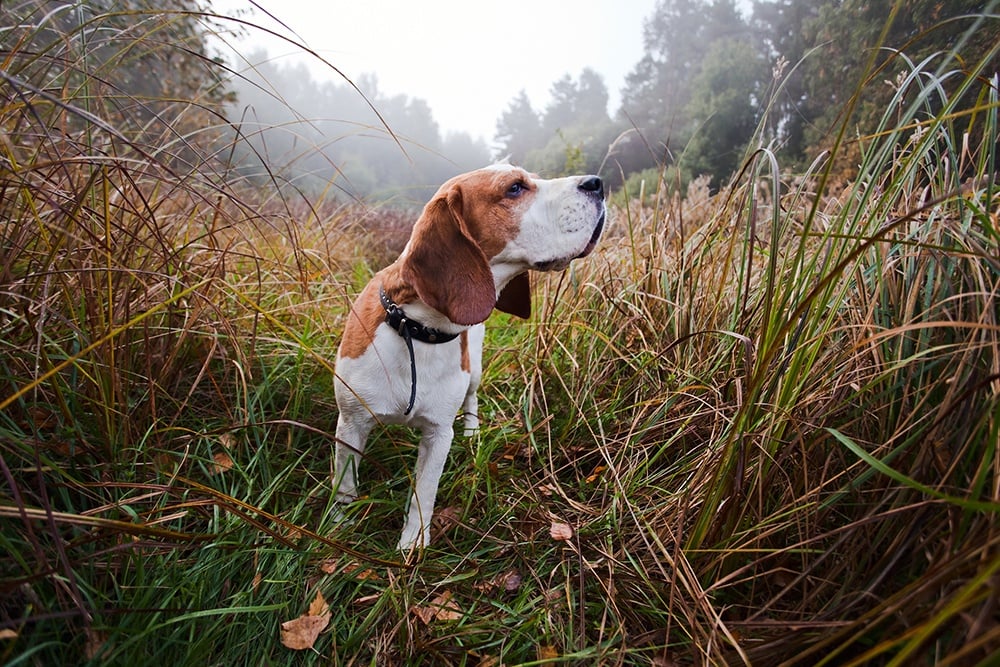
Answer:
(141, 66)
(677, 37)
(781, 28)
(591, 98)
(461, 149)
(847, 36)
(580, 102)
(570, 135)
(562, 109)
(575, 125)
(315, 133)
(518, 130)
(726, 105)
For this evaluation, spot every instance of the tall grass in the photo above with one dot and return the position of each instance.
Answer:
(146, 295)
(769, 415)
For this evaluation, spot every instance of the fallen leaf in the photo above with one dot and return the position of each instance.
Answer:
(444, 520)
(223, 462)
(42, 417)
(352, 568)
(561, 532)
(164, 462)
(94, 644)
(318, 606)
(448, 609)
(257, 578)
(594, 476)
(508, 582)
(553, 595)
(511, 580)
(227, 440)
(301, 633)
(547, 653)
(441, 608)
(425, 614)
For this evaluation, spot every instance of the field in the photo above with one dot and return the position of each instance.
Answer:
(758, 426)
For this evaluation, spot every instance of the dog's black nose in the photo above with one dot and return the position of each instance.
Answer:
(592, 184)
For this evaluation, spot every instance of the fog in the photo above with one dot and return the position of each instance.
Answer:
(363, 142)
(707, 81)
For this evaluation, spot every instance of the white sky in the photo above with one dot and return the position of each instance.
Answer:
(466, 58)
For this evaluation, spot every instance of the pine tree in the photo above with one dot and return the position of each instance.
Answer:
(518, 130)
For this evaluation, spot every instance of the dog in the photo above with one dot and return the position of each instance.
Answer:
(412, 346)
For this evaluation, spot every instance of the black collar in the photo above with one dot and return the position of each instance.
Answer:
(410, 330)
(404, 326)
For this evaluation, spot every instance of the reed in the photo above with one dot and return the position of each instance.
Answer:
(770, 415)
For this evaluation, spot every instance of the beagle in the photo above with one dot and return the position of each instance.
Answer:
(411, 351)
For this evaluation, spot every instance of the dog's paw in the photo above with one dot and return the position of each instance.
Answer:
(470, 425)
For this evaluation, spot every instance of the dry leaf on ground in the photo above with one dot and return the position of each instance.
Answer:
(223, 462)
(301, 633)
(351, 569)
(94, 645)
(561, 532)
(507, 582)
(546, 654)
(441, 608)
(444, 520)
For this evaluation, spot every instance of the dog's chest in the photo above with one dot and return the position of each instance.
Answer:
(380, 380)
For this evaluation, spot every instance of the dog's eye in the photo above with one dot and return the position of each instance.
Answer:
(516, 189)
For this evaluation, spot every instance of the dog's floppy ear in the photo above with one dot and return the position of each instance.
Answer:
(515, 297)
(446, 265)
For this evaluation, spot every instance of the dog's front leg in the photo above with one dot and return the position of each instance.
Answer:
(434, 446)
(351, 437)
(470, 407)
(470, 412)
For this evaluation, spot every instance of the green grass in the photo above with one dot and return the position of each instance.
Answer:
(771, 423)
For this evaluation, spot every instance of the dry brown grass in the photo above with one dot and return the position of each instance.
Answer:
(770, 423)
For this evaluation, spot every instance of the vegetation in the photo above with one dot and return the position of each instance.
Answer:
(307, 135)
(758, 426)
(706, 81)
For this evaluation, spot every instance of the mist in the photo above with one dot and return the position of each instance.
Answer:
(352, 137)
(717, 80)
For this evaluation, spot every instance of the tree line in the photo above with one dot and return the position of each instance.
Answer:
(365, 142)
(714, 81)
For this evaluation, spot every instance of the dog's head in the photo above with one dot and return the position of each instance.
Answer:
(484, 230)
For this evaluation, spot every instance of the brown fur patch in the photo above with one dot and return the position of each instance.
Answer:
(367, 313)
(464, 339)
(493, 218)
